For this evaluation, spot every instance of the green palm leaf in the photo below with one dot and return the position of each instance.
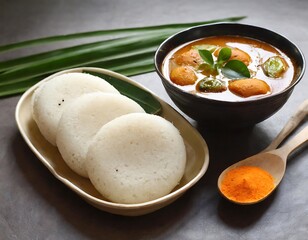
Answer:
(130, 53)
(126, 31)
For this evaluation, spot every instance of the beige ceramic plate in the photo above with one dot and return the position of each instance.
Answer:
(197, 155)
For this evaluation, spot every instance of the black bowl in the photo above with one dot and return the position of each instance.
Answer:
(230, 114)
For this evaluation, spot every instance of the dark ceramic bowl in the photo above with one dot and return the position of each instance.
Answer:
(233, 114)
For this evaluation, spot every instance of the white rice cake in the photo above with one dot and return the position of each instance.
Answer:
(51, 97)
(81, 120)
(136, 158)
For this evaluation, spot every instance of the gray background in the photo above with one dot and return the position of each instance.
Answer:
(34, 205)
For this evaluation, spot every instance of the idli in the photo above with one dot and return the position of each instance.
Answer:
(51, 97)
(136, 158)
(81, 120)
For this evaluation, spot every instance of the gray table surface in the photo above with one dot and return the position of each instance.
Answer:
(34, 205)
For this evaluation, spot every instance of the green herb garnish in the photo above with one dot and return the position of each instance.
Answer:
(209, 67)
(207, 57)
(223, 56)
(229, 68)
(235, 69)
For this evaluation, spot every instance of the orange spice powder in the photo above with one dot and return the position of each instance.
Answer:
(246, 184)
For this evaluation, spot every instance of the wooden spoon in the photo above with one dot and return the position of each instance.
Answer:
(274, 161)
(295, 119)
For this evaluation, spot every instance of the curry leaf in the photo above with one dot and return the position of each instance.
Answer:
(224, 55)
(206, 56)
(208, 70)
(235, 69)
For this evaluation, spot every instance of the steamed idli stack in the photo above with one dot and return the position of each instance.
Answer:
(81, 120)
(136, 158)
(50, 99)
(130, 156)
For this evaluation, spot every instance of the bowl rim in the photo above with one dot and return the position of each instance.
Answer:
(200, 98)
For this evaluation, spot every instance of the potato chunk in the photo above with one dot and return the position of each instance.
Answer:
(183, 76)
(237, 54)
(189, 58)
(248, 87)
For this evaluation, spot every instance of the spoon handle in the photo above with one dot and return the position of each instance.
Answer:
(293, 144)
(293, 122)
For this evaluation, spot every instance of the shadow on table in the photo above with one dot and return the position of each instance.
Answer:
(87, 220)
(228, 146)
(241, 216)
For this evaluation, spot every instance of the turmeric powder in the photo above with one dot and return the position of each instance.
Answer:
(247, 184)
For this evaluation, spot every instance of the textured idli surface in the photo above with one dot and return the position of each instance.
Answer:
(52, 96)
(82, 119)
(136, 158)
